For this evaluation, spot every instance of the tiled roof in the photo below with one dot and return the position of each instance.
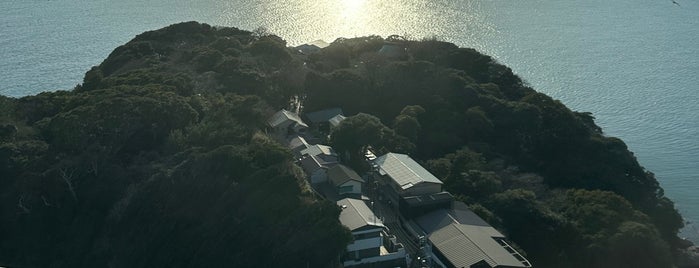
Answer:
(404, 170)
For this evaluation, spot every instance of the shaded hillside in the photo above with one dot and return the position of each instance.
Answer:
(160, 159)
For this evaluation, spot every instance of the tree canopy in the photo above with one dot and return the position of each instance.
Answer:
(160, 157)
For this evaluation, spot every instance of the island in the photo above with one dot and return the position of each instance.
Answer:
(169, 155)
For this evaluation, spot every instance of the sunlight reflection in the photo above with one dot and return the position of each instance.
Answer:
(351, 8)
(352, 16)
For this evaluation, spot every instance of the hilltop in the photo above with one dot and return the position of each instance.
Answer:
(160, 157)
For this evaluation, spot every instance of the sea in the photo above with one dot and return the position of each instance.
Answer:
(633, 63)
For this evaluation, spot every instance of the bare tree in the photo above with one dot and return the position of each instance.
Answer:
(67, 176)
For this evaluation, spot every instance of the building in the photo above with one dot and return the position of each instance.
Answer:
(285, 123)
(316, 168)
(400, 176)
(345, 181)
(459, 238)
(372, 246)
(324, 152)
(296, 144)
(321, 119)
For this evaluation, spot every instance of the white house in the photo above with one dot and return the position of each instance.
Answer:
(345, 180)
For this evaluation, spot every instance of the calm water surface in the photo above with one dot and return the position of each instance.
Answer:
(633, 63)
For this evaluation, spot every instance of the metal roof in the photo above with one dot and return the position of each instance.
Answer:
(428, 198)
(356, 214)
(323, 115)
(318, 149)
(403, 170)
(465, 239)
(297, 144)
(340, 174)
(282, 116)
(312, 163)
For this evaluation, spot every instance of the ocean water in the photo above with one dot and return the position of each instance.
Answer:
(633, 63)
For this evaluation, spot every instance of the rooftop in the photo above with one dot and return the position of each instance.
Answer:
(282, 116)
(312, 163)
(318, 149)
(428, 198)
(340, 174)
(465, 239)
(404, 170)
(296, 144)
(356, 214)
(323, 115)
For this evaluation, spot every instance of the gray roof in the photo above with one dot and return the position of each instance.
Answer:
(282, 116)
(336, 120)
(465, 239)
(356, 214)
(312, 163)
(404, 170)
(297, 144)
(323, 115)
(318, 149)
(429, 198)
(340, 174)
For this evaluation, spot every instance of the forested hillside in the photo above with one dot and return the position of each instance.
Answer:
(160, 157)
(157, 160)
